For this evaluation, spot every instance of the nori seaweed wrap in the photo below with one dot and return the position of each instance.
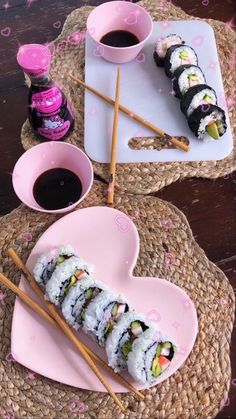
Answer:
(178, 55)
(207, 121)
(185, 77)
(201, 94)
(162, 45)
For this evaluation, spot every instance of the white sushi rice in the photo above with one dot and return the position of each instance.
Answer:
(198, 98)
(176, 61)
(184, 80)
(55, 287)
(118, 337)
(75, 300)
(166, 42)
(98, 314)
(202, 133)
(46, 263)
(140, 359)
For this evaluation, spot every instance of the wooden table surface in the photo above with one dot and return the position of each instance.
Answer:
(208, 204)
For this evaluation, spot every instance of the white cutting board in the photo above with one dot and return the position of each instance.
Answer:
(146, 90)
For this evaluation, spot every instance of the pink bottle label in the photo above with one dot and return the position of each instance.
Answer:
(54, 127)
(47, 101)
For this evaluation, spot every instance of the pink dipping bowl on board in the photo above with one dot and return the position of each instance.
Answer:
(124, 16)
(45, 156)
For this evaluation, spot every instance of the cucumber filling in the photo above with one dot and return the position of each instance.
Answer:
(164, 354)
(74, 278)
(62, 258)
(135, 330)
(89, 295)
(117, 310)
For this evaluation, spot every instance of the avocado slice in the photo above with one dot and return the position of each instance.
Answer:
(60, 259)
(208, 98)
(166, 345)
(109, 327)
(114, 309)
(126, 348)
(183, 54)
(193, 77)
(73, 280)
(135, 325)
(212, 130)
(82, 313)
(158, 350)
(156, 368)
(89, 294)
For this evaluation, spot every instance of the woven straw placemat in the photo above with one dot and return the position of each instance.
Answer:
(198, 389)
(140, 178)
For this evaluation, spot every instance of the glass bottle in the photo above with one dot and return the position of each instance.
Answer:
(49, 112)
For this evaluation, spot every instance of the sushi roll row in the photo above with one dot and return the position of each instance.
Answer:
(130, 341)
(198, 100)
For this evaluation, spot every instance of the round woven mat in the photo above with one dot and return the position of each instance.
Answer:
(140, 178)
(198, 389)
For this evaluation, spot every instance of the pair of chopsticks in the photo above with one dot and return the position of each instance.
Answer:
(56, 320)
(133, 115)
(118, 106)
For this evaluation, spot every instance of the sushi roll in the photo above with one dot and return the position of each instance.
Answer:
(162, 46)
(197, 96)
(178, 55)
(207, 122)
(78, 298)
(120, 341)
(185, 77)
(64, 277)
(102, 314)
(47, 263)
(151, 355)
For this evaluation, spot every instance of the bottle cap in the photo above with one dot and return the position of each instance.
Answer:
(34, 59)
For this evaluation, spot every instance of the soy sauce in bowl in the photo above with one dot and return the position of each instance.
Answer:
(119, 39)
(57, 188)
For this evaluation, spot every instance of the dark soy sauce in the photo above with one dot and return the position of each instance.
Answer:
(57, 188)
(120, 39)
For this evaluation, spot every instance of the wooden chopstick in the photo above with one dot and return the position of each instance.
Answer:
(132, 115)
(34, 285)
(68, 332)
(26, 299)
(110, 195)
(32, 304)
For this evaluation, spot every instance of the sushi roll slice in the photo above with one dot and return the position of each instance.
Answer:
(207, 122)
(47, 263)
(120, 341)
(102, 314)
(151, 355)
(185, 77)
(64, 277)
(197, 96)
(178, 55)
(162, 46)
(78, 298)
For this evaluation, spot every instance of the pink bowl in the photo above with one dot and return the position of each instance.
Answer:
(47, 156)
(119, 15)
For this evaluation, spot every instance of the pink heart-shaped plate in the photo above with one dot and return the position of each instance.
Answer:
(109, 240)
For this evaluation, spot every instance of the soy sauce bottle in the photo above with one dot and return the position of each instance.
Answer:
(49, 112)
